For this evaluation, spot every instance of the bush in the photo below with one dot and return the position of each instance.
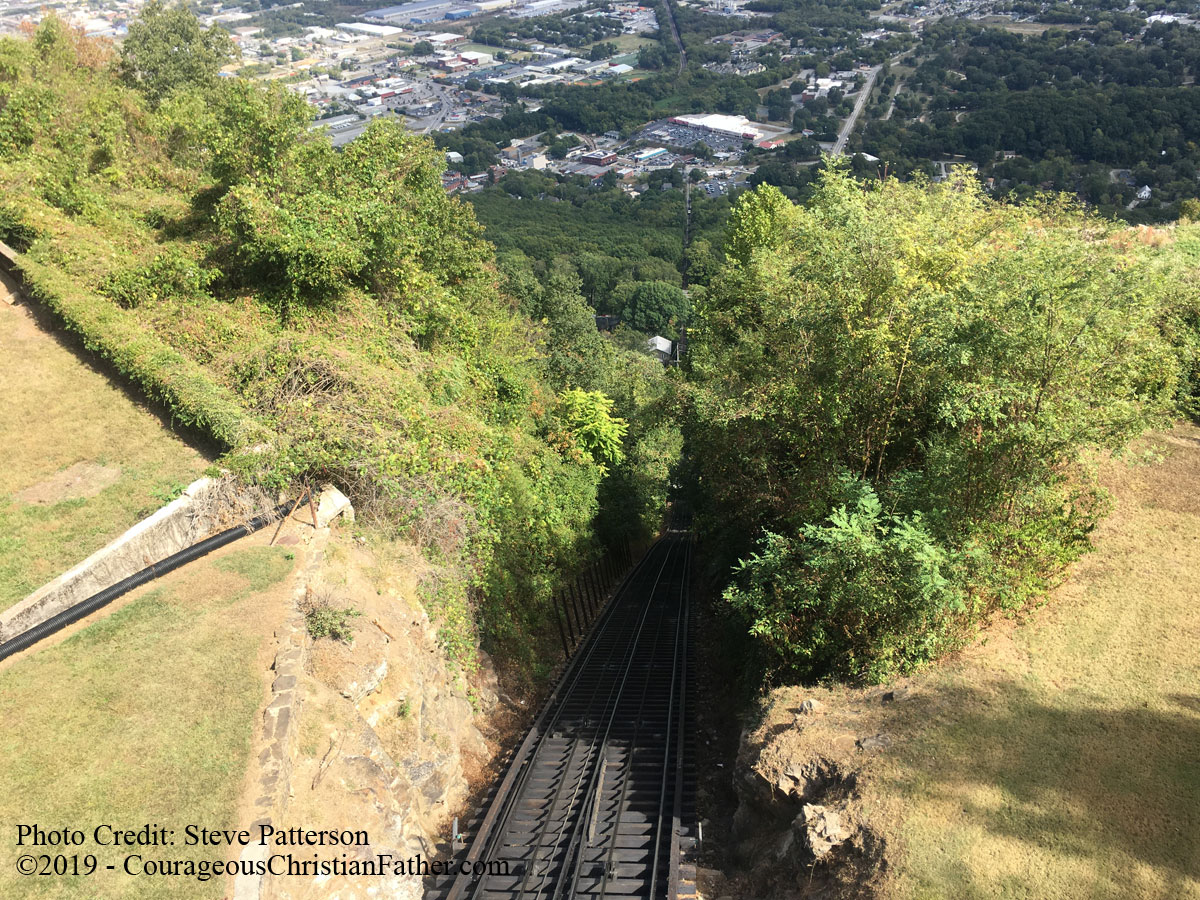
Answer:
(171, 274)
(14, 231)
(959, 357)
(326, 620)
(865, 596)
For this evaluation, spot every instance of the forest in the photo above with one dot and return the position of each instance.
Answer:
(1084, 111)
(568, 30)
(613, 241)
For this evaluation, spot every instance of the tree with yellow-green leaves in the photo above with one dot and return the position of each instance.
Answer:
(892, 389)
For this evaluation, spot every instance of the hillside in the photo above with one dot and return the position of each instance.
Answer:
(90, 462)
(327, 317)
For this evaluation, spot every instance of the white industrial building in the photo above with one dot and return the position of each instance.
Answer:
(737, 126)
(379, 31)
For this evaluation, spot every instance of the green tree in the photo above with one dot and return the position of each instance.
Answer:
(167, 50)
(702, 265)
(654, 307)
(598, 434)
(603, 50)
(423, 48)
(952, 355)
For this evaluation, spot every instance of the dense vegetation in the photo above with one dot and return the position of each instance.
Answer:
(327, 316)
(1088, 111)
(575, 29)
(895, 391)
(615, 243)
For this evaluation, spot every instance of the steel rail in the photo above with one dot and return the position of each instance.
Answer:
(592, 803)
(519, 769)
(677, 806)
(573, 865)
(630, 657)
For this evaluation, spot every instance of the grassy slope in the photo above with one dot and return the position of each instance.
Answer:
(60, 411)
(1060, 758)
(144, 716)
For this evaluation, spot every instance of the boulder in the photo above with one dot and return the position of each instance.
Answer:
(822, 829)
(333, 503)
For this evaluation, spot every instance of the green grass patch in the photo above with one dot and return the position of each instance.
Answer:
(260, 566)
(145, 716)
(626, 43)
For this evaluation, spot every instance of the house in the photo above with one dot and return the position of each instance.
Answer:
(660, 347)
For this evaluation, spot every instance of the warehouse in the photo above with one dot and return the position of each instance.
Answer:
(736, 126)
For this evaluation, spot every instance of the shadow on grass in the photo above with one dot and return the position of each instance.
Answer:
(1076, 777)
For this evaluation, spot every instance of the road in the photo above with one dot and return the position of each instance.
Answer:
(441, 93)
(839, 146)
(892, 105)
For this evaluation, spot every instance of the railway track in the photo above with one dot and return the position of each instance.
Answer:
(596, 803)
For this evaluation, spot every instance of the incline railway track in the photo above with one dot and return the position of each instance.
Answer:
(596, 803)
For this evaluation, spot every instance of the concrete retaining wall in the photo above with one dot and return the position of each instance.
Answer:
(179, 524)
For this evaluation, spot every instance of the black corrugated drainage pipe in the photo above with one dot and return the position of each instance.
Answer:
(86, 607)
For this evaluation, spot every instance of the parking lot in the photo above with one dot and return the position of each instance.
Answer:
(674, 135)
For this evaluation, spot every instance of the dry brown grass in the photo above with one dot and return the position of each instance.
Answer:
(145, 715)
(60, 415)
(1061, 757)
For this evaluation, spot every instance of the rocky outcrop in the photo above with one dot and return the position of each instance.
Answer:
(388, 743)
(799, 827)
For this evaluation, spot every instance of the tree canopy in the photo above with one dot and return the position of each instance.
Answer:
(892, 389)
(167, 50)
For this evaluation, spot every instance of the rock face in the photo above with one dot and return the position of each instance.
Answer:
(388, 740)
(823, 829)
(799, 830)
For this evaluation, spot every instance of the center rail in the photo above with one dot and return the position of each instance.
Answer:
(593, 803)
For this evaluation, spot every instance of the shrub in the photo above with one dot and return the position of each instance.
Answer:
(170, 274)
(14, 231)
(325, 619)
(866, 596)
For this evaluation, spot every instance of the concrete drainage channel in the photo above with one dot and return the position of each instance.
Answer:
(112, 571)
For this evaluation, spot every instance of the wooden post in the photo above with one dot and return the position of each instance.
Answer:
(579, 611)
(596, 589)
(283, 519)
(567, 612)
